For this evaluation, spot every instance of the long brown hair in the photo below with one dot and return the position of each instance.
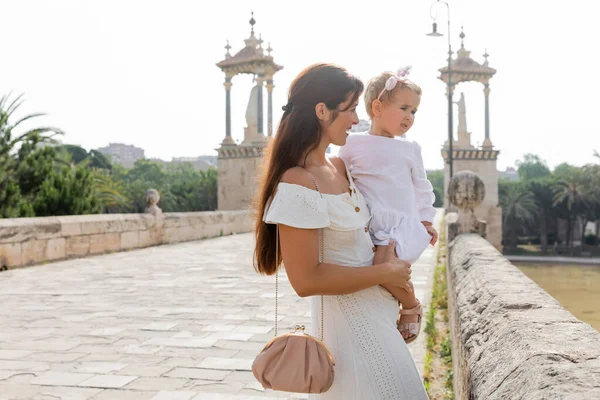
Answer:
(298, 134)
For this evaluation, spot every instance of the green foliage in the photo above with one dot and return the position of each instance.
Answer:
(437, 181)
(532, 167)
(69, 191)
(532, 206)
(38, 180)
(23, 164)
(564, 170)
(519, 210)
(438, 342)
(182, 188)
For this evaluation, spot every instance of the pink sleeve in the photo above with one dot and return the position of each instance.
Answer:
(423, 188)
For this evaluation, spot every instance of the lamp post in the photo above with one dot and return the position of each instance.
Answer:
(449, 83)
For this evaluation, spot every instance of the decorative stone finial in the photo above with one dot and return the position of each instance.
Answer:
(152, 199)
(462, 37)
(269, 50)
(252, 22)
(466, 191)
(486, 55)
(228, 47)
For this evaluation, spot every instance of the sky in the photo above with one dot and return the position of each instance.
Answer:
(143, 72)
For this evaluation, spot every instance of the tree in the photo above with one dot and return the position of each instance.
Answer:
(20, 158)
(69, 191)
(518, 209)
(542, 191)
(532, 167)
(110, 192)
(564, 171)
(77, 155)
(144, 175)
(571, 199)
(210, 188)
(437, 181)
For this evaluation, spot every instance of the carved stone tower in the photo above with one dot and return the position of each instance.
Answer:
(467, 157)
(237, 164)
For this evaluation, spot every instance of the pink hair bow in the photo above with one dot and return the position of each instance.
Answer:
(401, 76)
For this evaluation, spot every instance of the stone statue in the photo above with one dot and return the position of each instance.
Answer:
(152, 199)
(462, 113)
(251, 130)
(466, 191)
(464, 137)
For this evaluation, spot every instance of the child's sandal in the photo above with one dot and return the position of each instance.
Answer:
(412, 328)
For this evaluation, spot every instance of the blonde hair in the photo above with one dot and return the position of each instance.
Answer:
(377, 84)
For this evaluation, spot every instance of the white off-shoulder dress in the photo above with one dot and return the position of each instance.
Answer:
(372, 361)
(391, 175)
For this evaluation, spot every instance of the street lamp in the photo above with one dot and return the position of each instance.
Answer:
(449, 84)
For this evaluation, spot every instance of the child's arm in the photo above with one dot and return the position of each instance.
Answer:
(423, 188)
(424, 194)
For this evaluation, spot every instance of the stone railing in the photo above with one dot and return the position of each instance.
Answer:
(27, 241)
(510, 339)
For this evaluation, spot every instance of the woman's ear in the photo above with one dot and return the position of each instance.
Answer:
(322, 112)
(376, 107)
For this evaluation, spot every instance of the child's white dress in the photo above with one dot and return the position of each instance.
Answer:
(390, 174)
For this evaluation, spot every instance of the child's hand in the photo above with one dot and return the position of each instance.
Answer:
(431, 230)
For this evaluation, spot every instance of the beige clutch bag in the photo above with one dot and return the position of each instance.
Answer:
(295, 362)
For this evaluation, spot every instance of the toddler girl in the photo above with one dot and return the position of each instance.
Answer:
(388, 170)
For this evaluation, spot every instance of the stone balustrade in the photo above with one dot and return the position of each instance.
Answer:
(28, 241)
(510, 339)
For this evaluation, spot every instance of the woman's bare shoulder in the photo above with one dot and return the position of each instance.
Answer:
(298, 176)
(339, 164)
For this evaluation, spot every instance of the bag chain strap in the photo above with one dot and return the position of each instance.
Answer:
(321, 249)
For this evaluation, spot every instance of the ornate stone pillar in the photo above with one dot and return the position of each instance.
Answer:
(228, 139)
(486, 91)
(259, 83)
(465, 191)
(270, 106)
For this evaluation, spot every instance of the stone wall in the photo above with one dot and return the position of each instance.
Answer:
(510, 339)
(27, 241)
(237, 176)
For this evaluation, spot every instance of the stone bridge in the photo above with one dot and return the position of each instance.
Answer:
(173, 322)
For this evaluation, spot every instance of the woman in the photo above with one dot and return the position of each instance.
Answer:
(303, 192)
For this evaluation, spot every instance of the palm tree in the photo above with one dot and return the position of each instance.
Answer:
(10, 139)
(110, 192)
(542, 192)
(518, 209)
(591, 180)
(571, 197)
(15, 146)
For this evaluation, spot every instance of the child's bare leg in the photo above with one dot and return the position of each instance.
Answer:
(406, 298)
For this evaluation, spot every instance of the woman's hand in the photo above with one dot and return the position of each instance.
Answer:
(400, 270)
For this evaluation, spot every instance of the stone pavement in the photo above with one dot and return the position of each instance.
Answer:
(175, 322)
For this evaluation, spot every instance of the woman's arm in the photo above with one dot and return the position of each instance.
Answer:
(300, 253)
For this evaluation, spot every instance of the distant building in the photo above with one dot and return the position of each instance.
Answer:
(510, 174)
(124, 154)
(362, 126)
